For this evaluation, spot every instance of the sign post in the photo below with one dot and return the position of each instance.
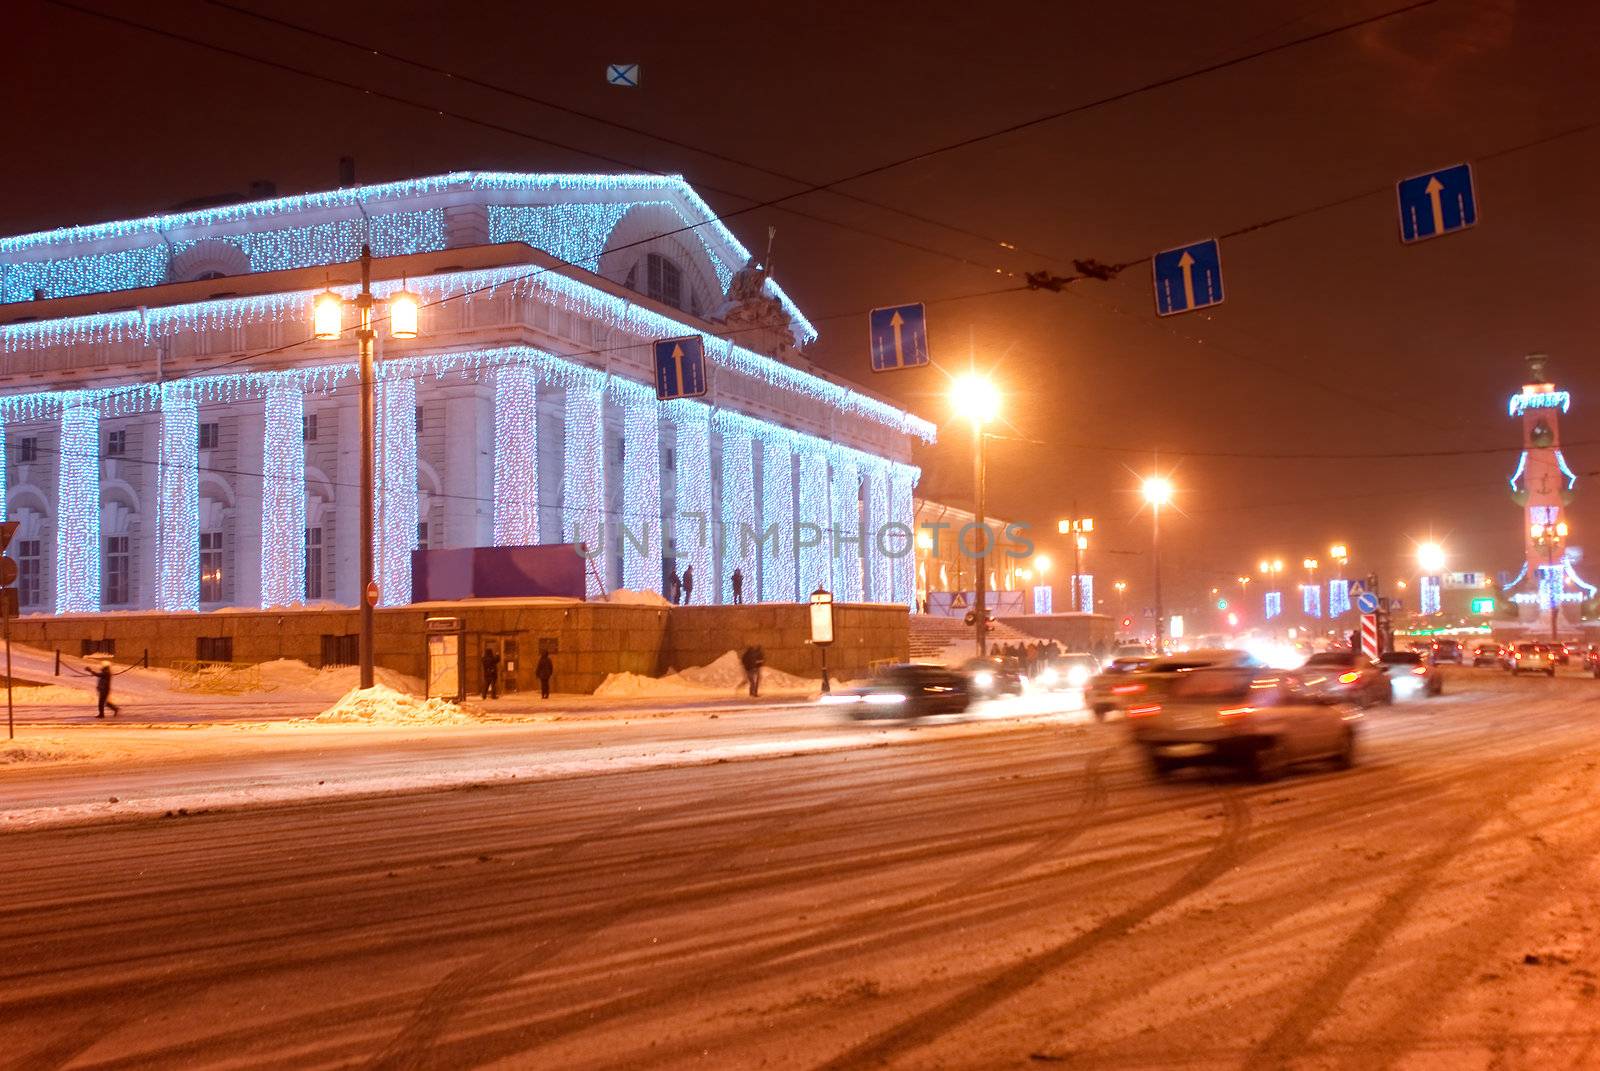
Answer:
(822, 628)
(1369, 636)
(1188, 277)
(898, 337)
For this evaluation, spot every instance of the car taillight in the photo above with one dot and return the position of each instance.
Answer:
(1227, 713)
(1421, 671)
(1127, 689)
(1143, 712)
(1349, 678)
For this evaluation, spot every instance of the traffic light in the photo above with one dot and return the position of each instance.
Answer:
(1127, 622)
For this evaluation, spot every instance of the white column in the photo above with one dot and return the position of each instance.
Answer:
(283, 498)
(516, 456)
(740, 523)
(692, 526)
(641, 533)
(902, 510)
(814, 544)
(78, 500)
(778, 565)
(395, 533)
(469, 467)
(846, 534)
(878, 541)
(584, 476)
(178, 505)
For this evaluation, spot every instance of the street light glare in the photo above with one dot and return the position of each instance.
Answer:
(1430, 558)
(404, 309)
(975, 397)
(1042, 563)
(1157, 490)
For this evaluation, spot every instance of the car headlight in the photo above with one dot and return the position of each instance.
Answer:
(1078, 676)
(1048, 675)
(983, 679)
(838, 700)
(884, 699)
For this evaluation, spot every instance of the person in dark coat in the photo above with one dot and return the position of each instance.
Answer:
(737, 580)
(543, 671)
(752, 660)
(688, 583)
(491, 672)
(102, 689)
(674, 587)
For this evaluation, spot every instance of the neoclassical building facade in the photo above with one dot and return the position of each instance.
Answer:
(175, 440)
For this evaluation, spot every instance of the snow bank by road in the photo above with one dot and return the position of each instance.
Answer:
(723, 677)
(382, 705)
(38, 749)
(629, 597)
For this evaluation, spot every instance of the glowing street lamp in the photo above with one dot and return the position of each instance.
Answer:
(1157, 491)
(1430, 558)
(977, 399)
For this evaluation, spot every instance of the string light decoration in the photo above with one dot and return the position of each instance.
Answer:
(516, 456)
(78, 503)
(878, 541)
(395, 504)
(575, 233)
(740, 528)
(778, 572)
(1311, 600)
(583, 495)
(1429, 597)
(814, 561)
(691, 535)
(392, 232)
(1086, 593)
(903, 481)
(5, 491)
(1274, 605)
(178, 505)
(845, 535)
(1338, 597)
(1538, 399)
(283, 500)
(641, 483)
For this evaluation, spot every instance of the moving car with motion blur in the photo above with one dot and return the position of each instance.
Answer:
(994, 676)
(1071, 670)
(1108, 688)
(1488, 654)
(1591, 660)
(1255, 719)
(1130, 650)
(1410, 674)
(1445, 650)
(1346, 676)
(1533, 658)
(906, 690)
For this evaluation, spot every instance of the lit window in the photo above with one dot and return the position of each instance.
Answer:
(313, 562)
(116, 571)
(210, 564)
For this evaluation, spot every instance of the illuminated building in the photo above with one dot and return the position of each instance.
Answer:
(175, 440)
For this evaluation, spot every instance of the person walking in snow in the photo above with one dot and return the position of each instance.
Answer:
(491, 672)
(544, 670)
(674, 587)
(737, 580)
(102, 688)
(688, 584)
(752, 660)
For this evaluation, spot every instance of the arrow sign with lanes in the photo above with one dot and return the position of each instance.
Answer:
(1436, 203)
(898, 337)
(1188, 277)
(680, 367)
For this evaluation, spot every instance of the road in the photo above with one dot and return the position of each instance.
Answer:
(1005, 899)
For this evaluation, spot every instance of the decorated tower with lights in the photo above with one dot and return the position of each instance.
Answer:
(1547, 592)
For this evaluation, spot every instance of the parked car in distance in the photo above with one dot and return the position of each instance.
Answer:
(905, 690)
(1533, 658)
(1113, 683)
(1563, 653)
(1250, 717)
(1488, 654)
(1411, 674)
(1348, 676)
(992, 676)
(1130, 650)
(1446, 650)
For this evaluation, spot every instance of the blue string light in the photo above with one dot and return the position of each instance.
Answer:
(846, 532)
(1338, 597)
(178, 504)
(1274, 604)
(395, 495)
(878, 542)
(575, 233)
(778, 565)
(903, 481)
(1428, 600)
(516, 456)
(78, 500)
(812, 514)
(692, 472)
(1086, 593)
(739, 527)
(583, 492)
(1311, 600)
(283, 500)
(641, 483)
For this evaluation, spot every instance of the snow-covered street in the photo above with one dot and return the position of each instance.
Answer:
(993, 892)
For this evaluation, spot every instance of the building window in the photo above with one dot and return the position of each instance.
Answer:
(116, 574)
(308, 427)
(29, 570)
(94, 647)
(664, 280)
(116, 443)
(313, 563)
(209, 434)
(419, 420)
(211, 566)
(213, 648)
(28, 450)
(341, 650)
(422, 535)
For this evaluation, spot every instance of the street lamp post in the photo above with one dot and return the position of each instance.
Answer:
(1551, 536)
(979, 401)
(327, 325)
(1157, 492)
(1079, 529)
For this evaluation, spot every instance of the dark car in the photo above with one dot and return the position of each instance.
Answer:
(1411, 674)
(1591, 659)
(906, 690)
(1533, 658)
(1488, 654)
(1447, 651)
(992, 676)
(1347, 676)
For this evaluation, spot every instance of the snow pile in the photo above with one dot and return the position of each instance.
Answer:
(382, 705)
(723, 677)
(42, 750)
(290, 675)
(629, 597)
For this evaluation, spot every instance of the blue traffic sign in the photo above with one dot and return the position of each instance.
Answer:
(680, 367)
(899, 337)
(1188, 278)
(1436, 203)
(1367, 602)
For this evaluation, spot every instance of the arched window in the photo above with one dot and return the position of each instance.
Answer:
(663, 280)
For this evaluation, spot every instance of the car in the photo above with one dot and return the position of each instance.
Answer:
(1108, 687)
(1533, 658)
(1488, 654)
(905, 690)
(1246, 716)
(1411, 674)
(1130, 650)
(1071, 670)
(994, 676)
(1563, 653)
(1591, 659)
(1447, 651)
(1348, 676)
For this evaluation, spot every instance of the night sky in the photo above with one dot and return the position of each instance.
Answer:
(1335, 338)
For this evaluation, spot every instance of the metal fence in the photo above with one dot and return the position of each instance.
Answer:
(216, 678)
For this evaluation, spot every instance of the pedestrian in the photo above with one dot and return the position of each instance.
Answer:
(102, 689)
(752, 660)
(674, 587)
(491, 672)
(543, 671)
(737, 580)
(688, 584)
